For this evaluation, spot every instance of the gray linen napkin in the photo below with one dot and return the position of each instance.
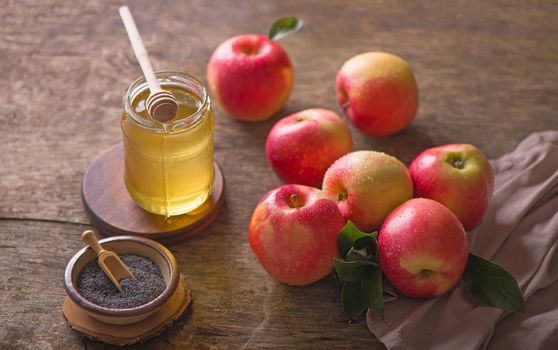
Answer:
(519, 232)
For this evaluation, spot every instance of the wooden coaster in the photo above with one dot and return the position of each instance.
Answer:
(113, 212)
(133, 333)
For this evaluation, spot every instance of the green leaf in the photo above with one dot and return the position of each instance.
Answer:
(354, 271)
(363, 242)
(344, 245)
(360, 271)
(351, 236)
(352, 299)
(284, 27)
(492, 284)
(373, 291)
(372, 243)
(358, 255)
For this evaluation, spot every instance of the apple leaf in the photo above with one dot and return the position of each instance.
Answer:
(354, 271)
(284, 27)
(369, 241)
(493, 285)
(352, 299)
(350, 236)
(360, 271)
(357, 255)
(373, 292)
(349, 233)
(363, 242)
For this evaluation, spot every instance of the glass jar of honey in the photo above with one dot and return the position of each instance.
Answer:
(169, 166)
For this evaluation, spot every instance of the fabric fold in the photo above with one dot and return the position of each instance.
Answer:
(519, 232)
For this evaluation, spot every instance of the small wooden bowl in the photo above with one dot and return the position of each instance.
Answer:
(123, 245)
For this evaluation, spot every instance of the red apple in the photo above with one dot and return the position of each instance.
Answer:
(378, 93)
(251, 76)
(293, 233)
(367, 186)
(423, 248)
(459, 176)
(302, 146)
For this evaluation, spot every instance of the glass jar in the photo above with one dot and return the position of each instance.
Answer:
(169, 166)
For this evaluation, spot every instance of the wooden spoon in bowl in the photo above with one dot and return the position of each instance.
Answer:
(114, 268)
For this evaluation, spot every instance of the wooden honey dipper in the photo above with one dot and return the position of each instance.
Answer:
(161, 105)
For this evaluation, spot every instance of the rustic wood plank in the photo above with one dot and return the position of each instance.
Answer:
(235, 303)
(487, 74)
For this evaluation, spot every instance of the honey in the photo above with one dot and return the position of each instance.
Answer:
(169, 166)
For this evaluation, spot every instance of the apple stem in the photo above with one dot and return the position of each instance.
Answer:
(341, 196)
(458, 163)
(295, 202)
(425, 273)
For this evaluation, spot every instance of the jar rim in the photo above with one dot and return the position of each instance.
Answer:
(140, 84)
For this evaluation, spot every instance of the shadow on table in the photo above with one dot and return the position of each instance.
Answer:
(405, 145)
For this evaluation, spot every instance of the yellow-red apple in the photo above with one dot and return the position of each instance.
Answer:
(378, 93)
(423, 248)
(302, 146)
(367, 186)
(459, 176)
(251, 76)
(293, 233)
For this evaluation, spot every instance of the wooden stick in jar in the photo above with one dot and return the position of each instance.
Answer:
(161, 104)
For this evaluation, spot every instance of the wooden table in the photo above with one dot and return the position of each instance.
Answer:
(487, 73)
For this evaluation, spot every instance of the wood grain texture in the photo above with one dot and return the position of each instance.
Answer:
(487, 74)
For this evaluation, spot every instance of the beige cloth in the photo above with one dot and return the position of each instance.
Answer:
(520, 232)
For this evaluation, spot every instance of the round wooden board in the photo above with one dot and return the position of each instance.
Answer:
(133, 333)
(113, 212)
